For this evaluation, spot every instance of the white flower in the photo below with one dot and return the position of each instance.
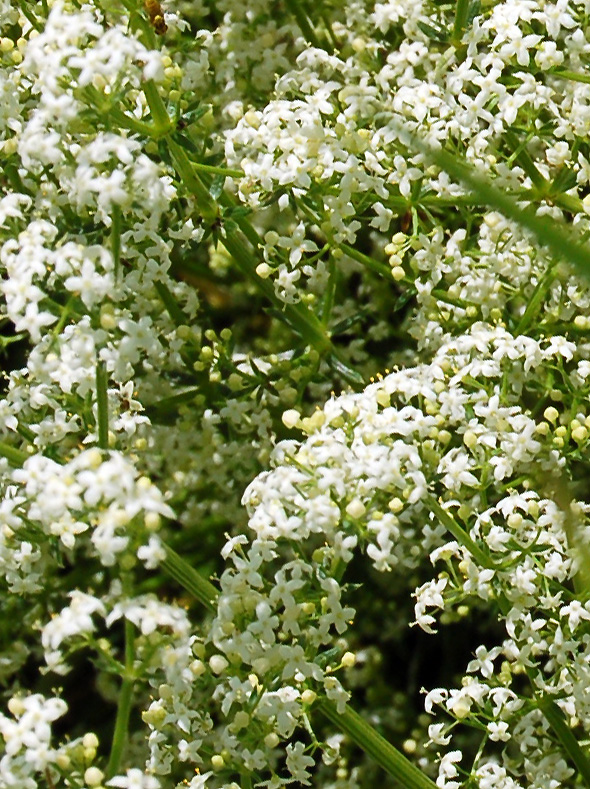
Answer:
(499, 731)
(135, 779)
(575, 612)
(152, 554)
(298, 763)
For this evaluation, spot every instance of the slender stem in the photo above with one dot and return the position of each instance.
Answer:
(522, 156)
(570, 745)
(102, 405)
(190, 579)
(246, 779)
(102, 105)
(329, 291)
(32, 19)
(214, 170)
(458, 532)
(298, 316)
(116, 239)
(535, 300)
(461, 14)
(65, 314)
(170, 303)
(184, 168)
(376, 746)
(370, 263)
(123, 705)
(441, 295)
(572, 75)
(162, 122)
(16, 457)
(329, 31)
(563, 242)
(294, 7)
(26, 433)
(131, 123)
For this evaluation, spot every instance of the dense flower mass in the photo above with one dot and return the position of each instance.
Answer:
(295, 418)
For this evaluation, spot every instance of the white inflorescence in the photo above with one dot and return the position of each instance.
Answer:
(451, 474)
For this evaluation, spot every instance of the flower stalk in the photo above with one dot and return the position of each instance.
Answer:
(374, 745)
(116, 240)
(120, 733)
(162, 122)
(102, 405)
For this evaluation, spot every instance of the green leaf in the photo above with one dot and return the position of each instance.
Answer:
(436, 34)
(563, 181)
(216, 187)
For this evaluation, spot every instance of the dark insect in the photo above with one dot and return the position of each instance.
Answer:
(153, 8)
(159, 25)
(405, 221)
(156, 15)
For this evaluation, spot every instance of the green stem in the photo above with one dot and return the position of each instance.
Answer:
(214, 170)
(190, 579)
(572, 75)
(303, 22)
(458, 532)
(102, 105)
(123, 705)
(522, 156)
(376, 746)
(162, 122)
(329, 31)
(65, 314)
(170, 303)
(562, 242)
(116, 239)
(16, 457)
(26, 433)
(133, 124)
(184, 168)
(370, 263)
(441, 295)
(32, 19)
(445, 202)
(570, 745)
(102, 405)
(461, 14)
(298, 316)
(535, 300)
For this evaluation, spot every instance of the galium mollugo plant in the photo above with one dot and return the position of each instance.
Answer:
(212, 219)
